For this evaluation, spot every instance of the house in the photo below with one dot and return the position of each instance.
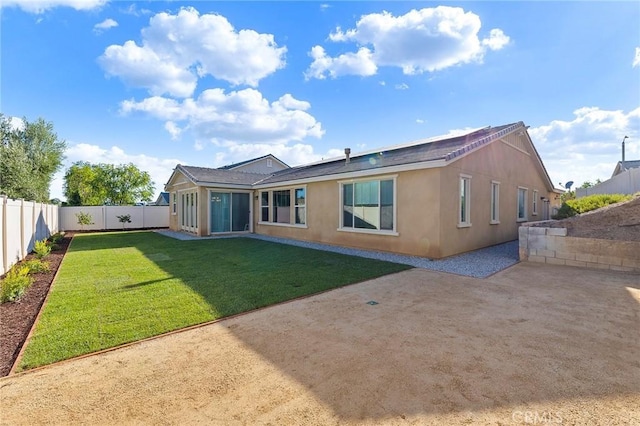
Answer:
(433, 198)
(624, 180)
(162, 200)
(626, 165)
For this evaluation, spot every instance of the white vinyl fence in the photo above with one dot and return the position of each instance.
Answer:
(22, 223)
(106, 217)
(627, 182)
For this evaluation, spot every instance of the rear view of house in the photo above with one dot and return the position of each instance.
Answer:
(432, 198)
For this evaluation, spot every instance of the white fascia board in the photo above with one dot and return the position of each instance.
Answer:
(359, 174)
(225, 185)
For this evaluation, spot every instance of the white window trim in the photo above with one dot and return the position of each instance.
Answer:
(390, 232)
(269, 162)
(467, 222)
(174, 203)
(526, 196)
(534, 204)
(495, 202)
(298, 206)
(292, 206)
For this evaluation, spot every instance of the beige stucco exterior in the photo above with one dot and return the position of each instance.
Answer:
(427, 204)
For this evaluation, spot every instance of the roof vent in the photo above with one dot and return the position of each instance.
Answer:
(347, 153)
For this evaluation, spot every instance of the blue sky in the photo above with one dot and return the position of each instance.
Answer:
(212, 83)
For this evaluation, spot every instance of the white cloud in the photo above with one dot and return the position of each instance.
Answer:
(104, 25)
(243, 116)
(403, 86)
(178, 49)
(293, 155)
(360, 63)
(173, 129)
(636, 59)
(422, 40)
(159, 168)
(133, 10)
(40, 6)
(419, 121)
(589, 146)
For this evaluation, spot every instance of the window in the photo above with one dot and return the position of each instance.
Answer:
(174, 203)
(522, 204)
(281, 209)
(264, 206)
(300, 206)
(495, 203)
(368, 205)
(464, 213)
(269, 162)
(534, 204)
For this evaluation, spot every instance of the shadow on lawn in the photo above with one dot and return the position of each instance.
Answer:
(438, 343)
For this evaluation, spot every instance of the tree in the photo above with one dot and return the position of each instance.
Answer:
(87, 184)
(588, 184)
(29, 157)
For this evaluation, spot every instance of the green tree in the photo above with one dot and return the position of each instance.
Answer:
(29, 157)
(88, 184)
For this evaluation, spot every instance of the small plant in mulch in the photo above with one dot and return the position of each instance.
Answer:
(15, 283)
(41, 249)
(125, 218)
(37, 266)
(56, 238)
(84, 219)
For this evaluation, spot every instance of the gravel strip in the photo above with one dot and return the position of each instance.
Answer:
(479, 263)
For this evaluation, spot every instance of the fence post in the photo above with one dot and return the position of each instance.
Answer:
(3, 228)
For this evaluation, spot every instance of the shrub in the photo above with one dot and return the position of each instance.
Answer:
(36, 266)
(14, 284)
(56, 238)
(586, 204)
(84, 219)
(41, 249)
(125, 218)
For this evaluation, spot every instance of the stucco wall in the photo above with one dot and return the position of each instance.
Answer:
(496, 162)
(417, 217)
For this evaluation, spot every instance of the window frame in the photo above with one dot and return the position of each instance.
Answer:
(494, 208)
(297, 206)
(174, 203)
(379, 179)
(525, 191)
(292, 206)
(464, 182)
(534, 204)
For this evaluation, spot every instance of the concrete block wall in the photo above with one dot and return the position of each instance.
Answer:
(553, 246)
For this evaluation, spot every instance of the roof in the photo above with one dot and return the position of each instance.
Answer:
(628, 164)
(163, 196)
(242, 163)
(415, 152)
(432, 152)
(205, 175)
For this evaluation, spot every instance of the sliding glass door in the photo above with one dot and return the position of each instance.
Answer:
(229, 211)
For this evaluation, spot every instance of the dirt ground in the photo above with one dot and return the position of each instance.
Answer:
(619, 221)
(534, 344)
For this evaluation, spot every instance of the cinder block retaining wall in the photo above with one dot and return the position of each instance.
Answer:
(551, 245)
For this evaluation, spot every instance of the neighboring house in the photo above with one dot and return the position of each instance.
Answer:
(624, 180)
(267, 164)
(432, 198)
(162, 200)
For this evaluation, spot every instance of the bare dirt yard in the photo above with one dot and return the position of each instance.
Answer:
(534, 344)
(619, 221)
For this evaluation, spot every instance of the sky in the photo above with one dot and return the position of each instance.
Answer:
(207, 84)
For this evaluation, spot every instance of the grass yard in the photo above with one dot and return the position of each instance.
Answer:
(114, 288)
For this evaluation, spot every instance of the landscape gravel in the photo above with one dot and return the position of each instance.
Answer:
(478, 263)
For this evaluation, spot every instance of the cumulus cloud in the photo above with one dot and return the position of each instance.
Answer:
(293, 155)
(104, 25)
(243, 116)
(636, 59)
(178, 49)
(589, 146)
(40, 6)
(428, 39)
(403, 86)
(159, 168)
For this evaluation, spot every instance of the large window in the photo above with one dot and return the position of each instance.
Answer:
(534, 204)
(522, 204)
(464, 208)
(285, 206)
(495, 203)
(368, 205)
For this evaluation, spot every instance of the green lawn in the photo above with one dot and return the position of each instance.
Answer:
(119, 287)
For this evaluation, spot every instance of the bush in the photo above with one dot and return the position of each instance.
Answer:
(36, 266)
(56, 238)
(586, 204)
(41, 249)
(14, 284)
(84, 219)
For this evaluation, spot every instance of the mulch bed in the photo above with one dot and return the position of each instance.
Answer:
(16, 318)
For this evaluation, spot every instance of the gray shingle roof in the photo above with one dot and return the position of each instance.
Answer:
(207, 175)
(241, 163)
(420, 151)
